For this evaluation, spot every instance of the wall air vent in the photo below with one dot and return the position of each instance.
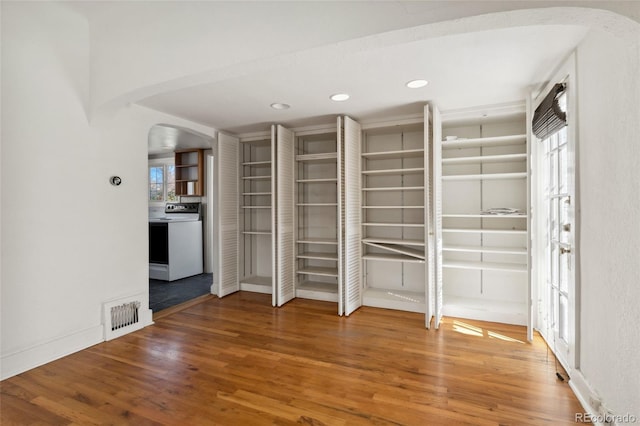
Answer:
(121, 317)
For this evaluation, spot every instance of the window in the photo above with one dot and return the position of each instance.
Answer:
(554, 204)
(162, 182)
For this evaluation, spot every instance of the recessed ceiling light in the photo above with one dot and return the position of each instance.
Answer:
(416, 84)
(339, 97)
(278, 105)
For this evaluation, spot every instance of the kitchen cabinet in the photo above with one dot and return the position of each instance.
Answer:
(189, 166)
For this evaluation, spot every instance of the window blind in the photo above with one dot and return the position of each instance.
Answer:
(549, 117)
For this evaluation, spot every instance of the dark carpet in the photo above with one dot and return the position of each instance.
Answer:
(164, 294)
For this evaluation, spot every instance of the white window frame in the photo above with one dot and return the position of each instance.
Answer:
(566, 72)
(164, 162)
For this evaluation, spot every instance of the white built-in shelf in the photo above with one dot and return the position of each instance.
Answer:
(486, 266)
(383, 155)
(393, 216)
(503, 158)
(256, 177)
(328, 241)
(404, 225)
(256, 142)
(485, 216)
(317, 204)
(484, 255)
(486, 310)
(487, 176)
(317, 290)
(418, 243)
(485, 249)
(256, 280)
(256, 284)
(393, 207)
(395, 188)
(391, 257)
(318, 256)
(487, 231)
(324, 156)
(318, 180)
(485, 142)
(411, 170)
(318, 271)
(405, 251)
(256, 193)
(394, 299)
(257, 163)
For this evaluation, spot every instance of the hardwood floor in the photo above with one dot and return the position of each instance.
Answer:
(238, 361)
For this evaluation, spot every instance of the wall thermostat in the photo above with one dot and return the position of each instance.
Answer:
(115, 180)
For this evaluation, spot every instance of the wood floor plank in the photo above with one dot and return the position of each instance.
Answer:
(239, 361)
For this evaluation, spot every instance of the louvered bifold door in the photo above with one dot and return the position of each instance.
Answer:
(274, 218)
(352, 271)
(227, 162)
(340, 213)
(436, 162)
(428, 219)
(285, 234)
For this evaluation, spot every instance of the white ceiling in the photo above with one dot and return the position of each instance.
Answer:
(226, 62)
(463, 70)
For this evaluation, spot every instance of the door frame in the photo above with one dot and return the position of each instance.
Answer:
(566, 73)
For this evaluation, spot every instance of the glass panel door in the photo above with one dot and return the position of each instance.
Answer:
(557, 199)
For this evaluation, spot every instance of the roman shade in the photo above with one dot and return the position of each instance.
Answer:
(549, 117)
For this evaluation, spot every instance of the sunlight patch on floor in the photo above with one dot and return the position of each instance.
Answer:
(472, 330)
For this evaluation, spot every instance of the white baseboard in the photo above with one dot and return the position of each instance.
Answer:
(35, 356)
(23, 360)
(587, 397)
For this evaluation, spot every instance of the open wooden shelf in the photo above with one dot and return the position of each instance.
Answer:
(487, 176)
(322, 157)
(406, 171)
(394, 299)
(319, 271)
(384, 155)
(318, 256)
(485, 142)
(485, 249)
(502, 158)
(487, 266)
(395, 188)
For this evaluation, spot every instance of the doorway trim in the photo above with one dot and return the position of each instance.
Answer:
(566, 73)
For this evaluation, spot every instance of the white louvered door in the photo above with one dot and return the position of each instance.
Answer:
(352, 253)
(285, 232)
(227, 215)
(428, 219)
(274, 217)
(436, 162)
(340, 224)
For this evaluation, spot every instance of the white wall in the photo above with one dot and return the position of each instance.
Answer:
(608, 172)
(68, 243)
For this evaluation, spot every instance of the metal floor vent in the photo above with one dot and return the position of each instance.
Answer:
(121, 317)
(124, 315)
